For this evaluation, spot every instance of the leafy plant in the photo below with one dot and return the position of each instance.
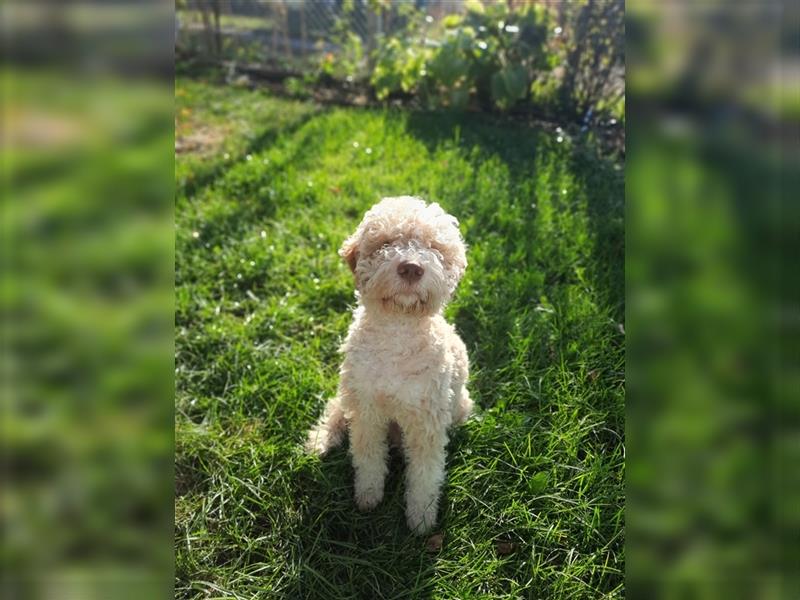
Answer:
(349, 62)
(509, 85)
(398, 68)
(489, 55)
(297, 87)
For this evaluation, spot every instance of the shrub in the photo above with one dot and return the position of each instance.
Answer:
(398, 67)
(349, 62)
(489, 55)
(595, 61)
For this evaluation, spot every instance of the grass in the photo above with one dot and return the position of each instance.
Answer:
(263, 301)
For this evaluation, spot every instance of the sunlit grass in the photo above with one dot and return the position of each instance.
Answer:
(262, 304)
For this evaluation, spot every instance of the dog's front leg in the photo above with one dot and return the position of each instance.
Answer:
(425, 457)
(370, 451)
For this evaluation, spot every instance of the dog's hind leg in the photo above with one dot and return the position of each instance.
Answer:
(329, 430)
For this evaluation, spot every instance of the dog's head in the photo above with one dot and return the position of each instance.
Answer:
(407, 256)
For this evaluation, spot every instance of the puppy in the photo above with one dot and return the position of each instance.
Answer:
(405, 367)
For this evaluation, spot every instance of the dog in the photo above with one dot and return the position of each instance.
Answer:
(405, 368)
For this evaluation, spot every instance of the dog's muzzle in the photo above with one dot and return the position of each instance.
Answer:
(410, 272)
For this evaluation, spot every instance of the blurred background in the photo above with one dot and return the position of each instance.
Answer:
(87, 246)
(712, 238)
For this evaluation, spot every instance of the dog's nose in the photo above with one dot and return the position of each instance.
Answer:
(410, 271)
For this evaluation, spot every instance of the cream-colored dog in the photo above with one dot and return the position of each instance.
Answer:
(404, 367)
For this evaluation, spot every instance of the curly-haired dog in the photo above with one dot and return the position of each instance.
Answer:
(404, 367)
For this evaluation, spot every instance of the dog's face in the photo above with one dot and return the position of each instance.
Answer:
(407, 256)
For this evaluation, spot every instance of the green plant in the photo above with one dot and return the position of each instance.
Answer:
(297, 87)
(595, 57)
(398, 67)
(544, 90)
(350, 60)
(490, 54)
(512, 51)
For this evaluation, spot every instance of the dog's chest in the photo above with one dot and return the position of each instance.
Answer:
(394, 362)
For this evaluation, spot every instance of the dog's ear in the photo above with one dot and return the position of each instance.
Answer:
(349, 252)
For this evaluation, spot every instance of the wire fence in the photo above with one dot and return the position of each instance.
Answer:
(291, 34)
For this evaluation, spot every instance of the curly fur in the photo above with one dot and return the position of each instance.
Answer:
(405, 367)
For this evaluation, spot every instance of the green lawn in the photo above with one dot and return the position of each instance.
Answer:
(266, 192)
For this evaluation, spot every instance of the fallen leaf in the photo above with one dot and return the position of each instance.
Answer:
(434, 543)
(505, 548)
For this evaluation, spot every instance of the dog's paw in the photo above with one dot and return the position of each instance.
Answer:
(368, 498)
(421, 520)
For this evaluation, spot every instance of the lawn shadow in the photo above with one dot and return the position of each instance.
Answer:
(268, 136)
(494, 308)
(518, 146)
(486, 314)
(245, 194)
(604, 182)
(343, 553)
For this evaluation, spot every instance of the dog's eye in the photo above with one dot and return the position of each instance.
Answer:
(380, 246)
